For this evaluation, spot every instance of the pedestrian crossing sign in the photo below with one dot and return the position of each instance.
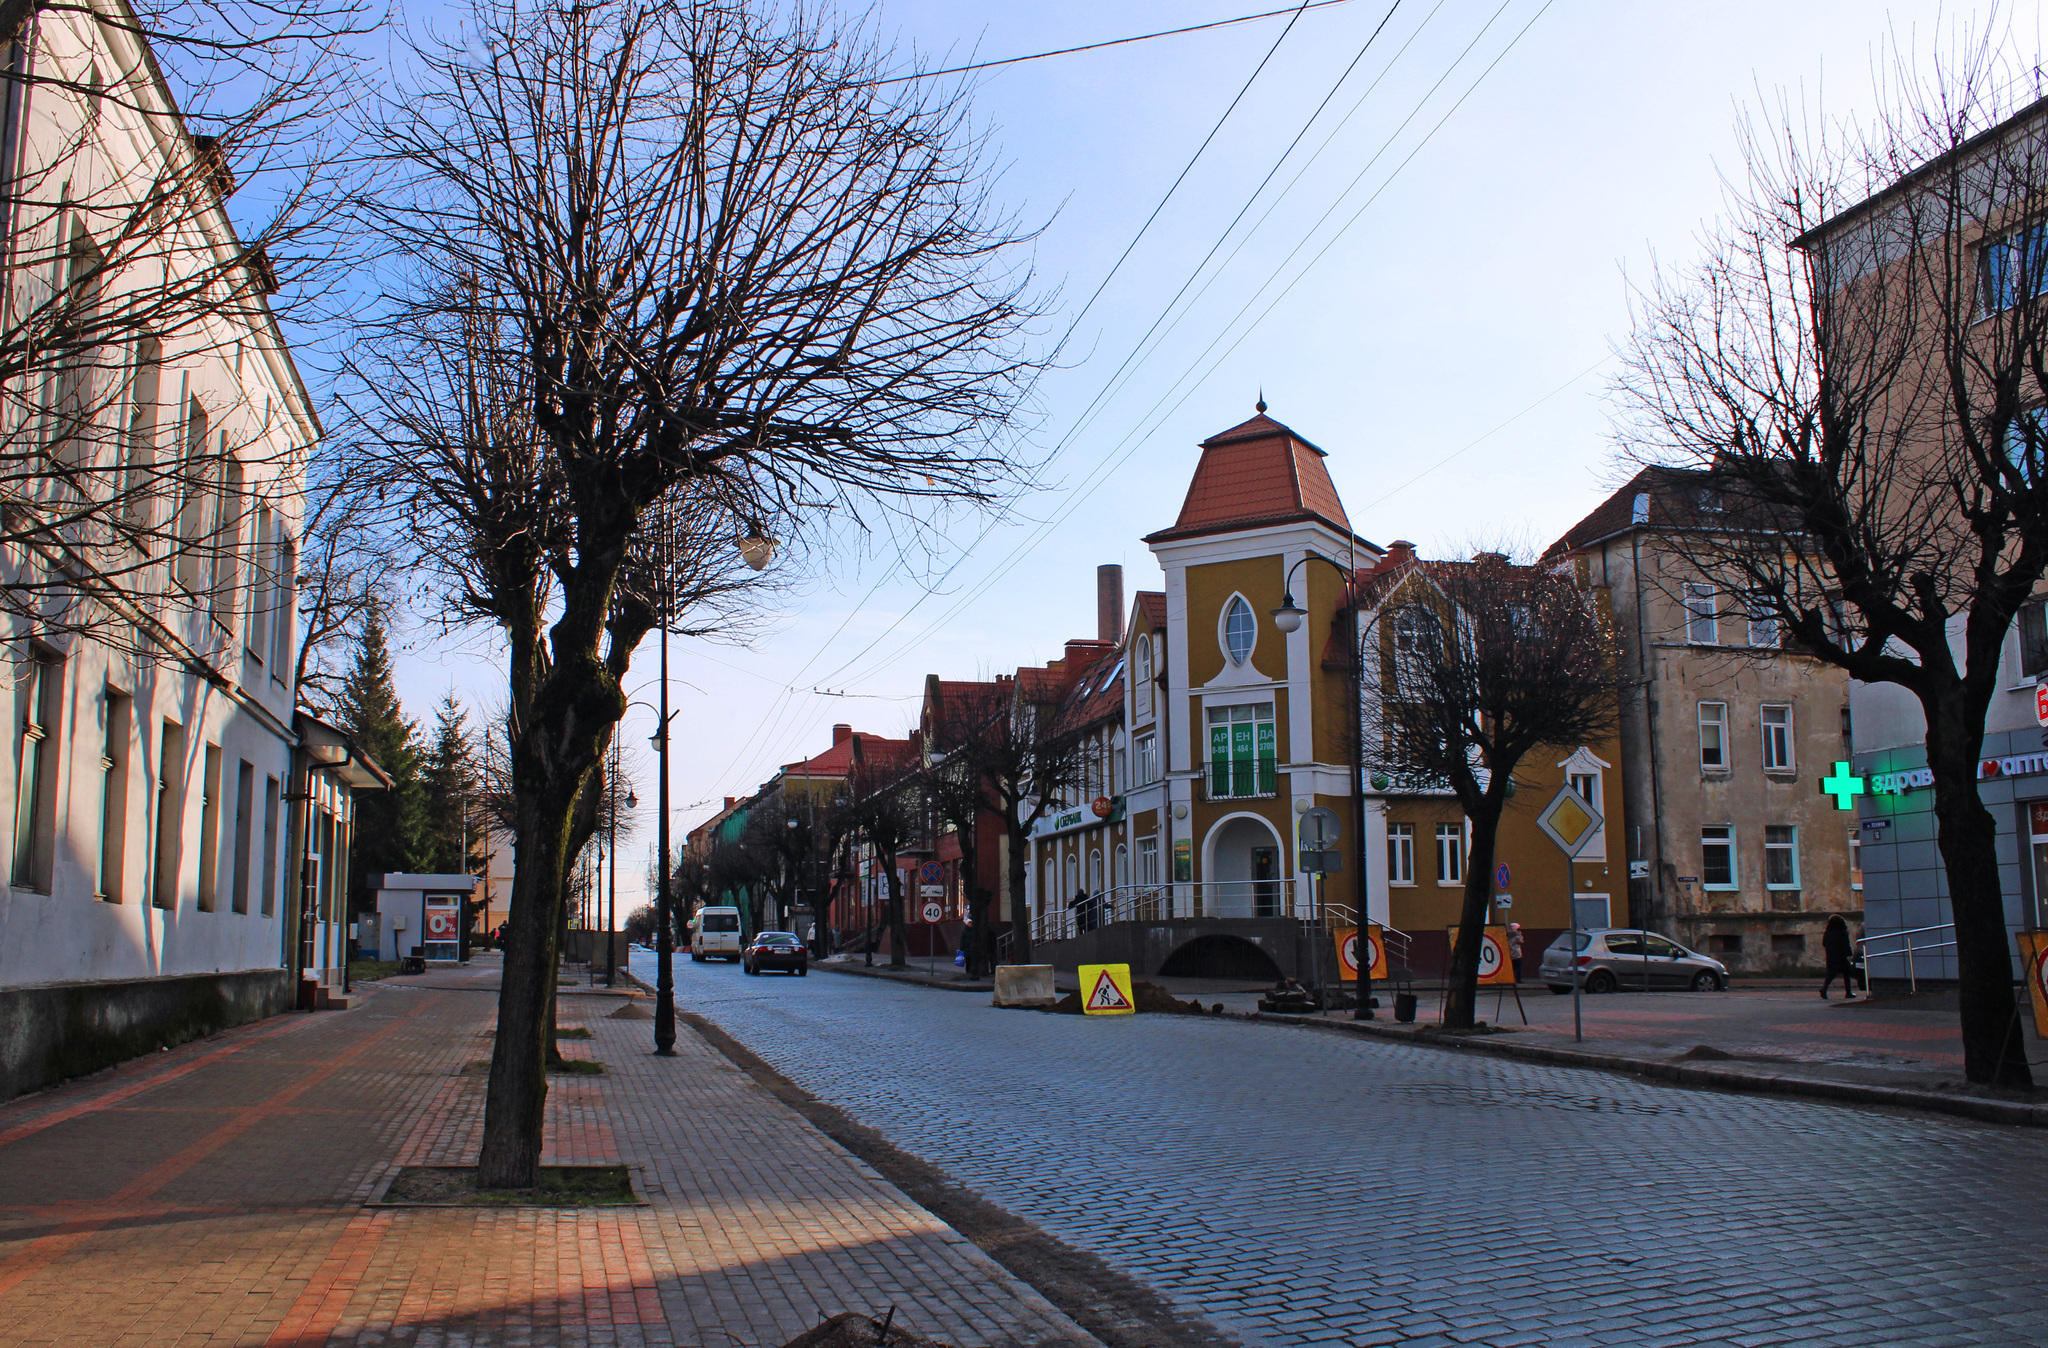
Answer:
(1106, 990)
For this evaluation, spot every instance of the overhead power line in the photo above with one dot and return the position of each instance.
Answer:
(1113, 42)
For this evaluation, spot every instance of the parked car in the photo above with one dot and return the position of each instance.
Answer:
(776, 950)
(715, 934)
(1616, 958)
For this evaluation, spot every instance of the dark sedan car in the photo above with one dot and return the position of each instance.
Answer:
(776, 950)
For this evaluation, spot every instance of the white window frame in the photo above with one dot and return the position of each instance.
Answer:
(1763, 625)
(1719, 721)
(1778, 748)
(1401, 854)
(1148, 861)
(1790, 846)
(1702, 615)
(1855, 858)
(1230, 608)
(1146, 760)
(1450, 861)
(1728, 839)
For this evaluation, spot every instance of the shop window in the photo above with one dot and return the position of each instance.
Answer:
(1242, 751)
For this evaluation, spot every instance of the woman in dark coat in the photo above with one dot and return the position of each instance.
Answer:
(1835, 941)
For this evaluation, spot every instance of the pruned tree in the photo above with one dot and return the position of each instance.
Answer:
(965, 727)
(882, 808)
(1470, 668)
(709, 268)
(166, 194)
(1854, 367)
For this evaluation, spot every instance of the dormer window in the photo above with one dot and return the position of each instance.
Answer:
(1240, 630)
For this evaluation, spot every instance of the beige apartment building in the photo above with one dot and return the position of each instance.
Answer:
(1733, 846)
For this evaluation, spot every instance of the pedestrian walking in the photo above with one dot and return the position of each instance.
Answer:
(1834, 942)
(1515, 950)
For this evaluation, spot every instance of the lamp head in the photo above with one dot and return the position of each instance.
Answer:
(757, 549)
(1288, 616)
(632, 801)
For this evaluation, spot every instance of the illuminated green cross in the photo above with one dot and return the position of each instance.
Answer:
(1843, 787)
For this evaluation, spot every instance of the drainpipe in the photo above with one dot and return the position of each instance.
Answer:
(1649, 707)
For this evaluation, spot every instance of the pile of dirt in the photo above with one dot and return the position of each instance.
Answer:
(851, 1329)
(1150, 997)
(630, 1011)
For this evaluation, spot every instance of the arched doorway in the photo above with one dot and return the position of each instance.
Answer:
(1221, 956)
(1243, 868)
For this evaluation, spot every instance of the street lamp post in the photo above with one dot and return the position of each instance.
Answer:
(1288, 618)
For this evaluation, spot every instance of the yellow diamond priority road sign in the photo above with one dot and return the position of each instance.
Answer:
(1571, 821)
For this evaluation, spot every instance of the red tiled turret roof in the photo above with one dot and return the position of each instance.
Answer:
(1256, 473)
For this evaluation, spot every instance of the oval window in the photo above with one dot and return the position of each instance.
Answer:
(1240, 630)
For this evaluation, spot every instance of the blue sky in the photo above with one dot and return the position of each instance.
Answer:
(1444, 333)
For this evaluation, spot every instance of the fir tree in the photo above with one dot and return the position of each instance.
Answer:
(452, 842)
(389, 825)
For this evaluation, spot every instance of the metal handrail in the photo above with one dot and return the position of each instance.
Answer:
(1912, 975)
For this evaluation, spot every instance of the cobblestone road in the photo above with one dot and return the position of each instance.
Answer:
(1305, 1188)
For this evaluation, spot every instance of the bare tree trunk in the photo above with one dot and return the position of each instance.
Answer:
(515, 1103)
(1020, 913)
(1968, 837)
(899, 938)
(1461, 979)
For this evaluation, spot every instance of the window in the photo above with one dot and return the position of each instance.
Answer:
(144, 388)
(1410, 630)
(209, 829)
(1123, 867)
(1714, 736)
(2034, 640)
(1763, 622)
(245, 832)
(2012, 268)
(1400, 854)
(1702, 616)
(286, 607)
(113, 797)
(262, 588)
(1724, 944)
(1657, 948)
(1586, 786)
(38, 696)
(1781, 856)
(1855, 858)
(1777, 730)
(1793, 944)
(1240, 630)
(225, 539)
(1241, 751)
(1141, 676)
(1450, 854)
(1148, 861)
(168, 824)
(79, 340)
(2025, 444)
(1147, 749)
(1717, 857)
(270, 803)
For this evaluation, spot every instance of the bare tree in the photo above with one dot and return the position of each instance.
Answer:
(713, 268)
(131, 504)
(881, 808)
(1479, 664)
(1855, 368)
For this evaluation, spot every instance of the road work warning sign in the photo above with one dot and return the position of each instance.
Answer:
(1106, 990)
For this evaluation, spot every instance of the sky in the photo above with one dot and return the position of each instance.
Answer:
(1431, 289)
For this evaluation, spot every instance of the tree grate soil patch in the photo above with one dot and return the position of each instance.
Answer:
(572, 1032)
(556, 1186)
(568, 1067)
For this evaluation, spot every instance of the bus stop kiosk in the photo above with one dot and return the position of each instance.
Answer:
(420, 916)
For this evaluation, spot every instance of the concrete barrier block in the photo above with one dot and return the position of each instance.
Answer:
(1024, 985)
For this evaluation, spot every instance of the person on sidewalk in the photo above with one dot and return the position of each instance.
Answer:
(1835, 943)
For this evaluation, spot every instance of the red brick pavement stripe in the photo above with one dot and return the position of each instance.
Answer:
(320, 1305)
(46, 1249)
(134, 1087)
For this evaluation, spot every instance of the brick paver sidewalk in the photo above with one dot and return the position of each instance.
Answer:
(214, 1195)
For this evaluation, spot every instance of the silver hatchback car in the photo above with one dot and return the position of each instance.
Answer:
(1614, 959)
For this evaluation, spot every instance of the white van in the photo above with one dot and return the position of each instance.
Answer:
(715, 934)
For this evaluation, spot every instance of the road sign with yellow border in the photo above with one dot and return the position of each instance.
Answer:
(1347, 951)
(2034, 951)
(1495, 968)
(1106, 990)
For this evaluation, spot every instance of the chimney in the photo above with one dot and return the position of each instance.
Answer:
(1109, 603)
(841, 734)
(1401, 551)
(730, 801)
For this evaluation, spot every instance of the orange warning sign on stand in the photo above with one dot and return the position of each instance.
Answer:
(2034, 953)
(1495, 968)
(1106, 990)
(1347, 951)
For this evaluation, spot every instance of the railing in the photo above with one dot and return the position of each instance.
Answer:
(1908, 949)
(1398, 942)
(1158, 903)
(1242, 778)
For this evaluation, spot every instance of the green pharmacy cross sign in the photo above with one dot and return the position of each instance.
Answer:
(1843, 787)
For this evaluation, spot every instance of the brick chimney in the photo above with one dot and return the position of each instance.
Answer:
(841, 734)
(731, 801)
(1109, 603)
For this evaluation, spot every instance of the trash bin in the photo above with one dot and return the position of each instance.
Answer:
(1404, 1007)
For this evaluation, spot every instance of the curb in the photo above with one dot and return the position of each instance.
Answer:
(1689, 1074)
(913, 979)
